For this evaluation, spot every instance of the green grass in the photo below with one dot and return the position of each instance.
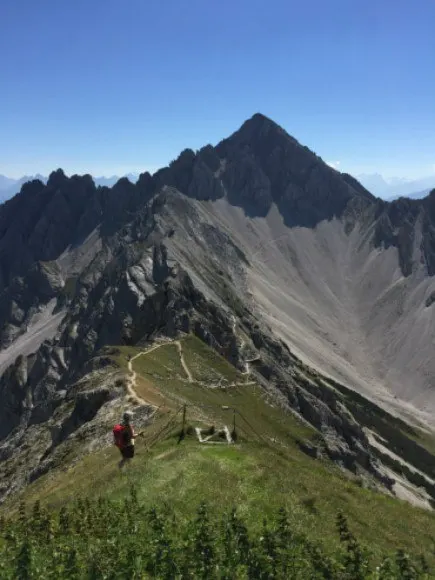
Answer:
(205, 364)
(161, 365)
(79, 542)
(263, 471)
(257, 479)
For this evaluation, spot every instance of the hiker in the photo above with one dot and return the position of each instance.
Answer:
(124, 437)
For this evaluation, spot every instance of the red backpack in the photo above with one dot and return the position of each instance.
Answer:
(119, 436)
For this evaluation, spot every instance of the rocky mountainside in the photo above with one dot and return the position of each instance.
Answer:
(9, 187)
(257, 247)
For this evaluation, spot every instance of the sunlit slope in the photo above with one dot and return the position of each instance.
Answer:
(262, 471)
(341, 304)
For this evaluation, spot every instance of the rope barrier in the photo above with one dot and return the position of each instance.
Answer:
(154, 438)
(172, 419)
(251, 427)
(149, 419)
(157, 436)
(228, 408)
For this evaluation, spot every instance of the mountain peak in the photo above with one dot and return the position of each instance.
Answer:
(264, 165)
(56, 178)
(259, 127)
(258, 119)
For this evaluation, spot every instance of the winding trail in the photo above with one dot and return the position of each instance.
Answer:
(183, 362)
(132, 376)
(131, 380)
(131, 384)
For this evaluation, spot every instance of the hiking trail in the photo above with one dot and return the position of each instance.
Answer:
(132, 377)
(183, 362)
(131, 384)
(131, 380)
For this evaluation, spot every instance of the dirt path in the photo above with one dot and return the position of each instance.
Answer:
(132, 378)
(183, 362)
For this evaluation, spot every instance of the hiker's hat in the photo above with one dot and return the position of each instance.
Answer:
(128, 416)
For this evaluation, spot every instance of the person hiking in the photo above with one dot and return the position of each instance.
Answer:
(124, 436)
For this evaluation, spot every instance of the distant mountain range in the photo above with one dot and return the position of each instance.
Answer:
(10, 186)
(397, 186)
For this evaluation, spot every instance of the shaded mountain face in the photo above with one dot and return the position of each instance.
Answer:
(9, 187)
(259, 166)
(408, 225)
(265, 166)
(256, 246)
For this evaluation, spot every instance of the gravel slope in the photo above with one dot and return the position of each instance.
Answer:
(342, 305)
(43, 327)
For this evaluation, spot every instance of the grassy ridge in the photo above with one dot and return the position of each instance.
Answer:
(265, 471)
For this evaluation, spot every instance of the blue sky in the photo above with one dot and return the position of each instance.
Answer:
(107, 86)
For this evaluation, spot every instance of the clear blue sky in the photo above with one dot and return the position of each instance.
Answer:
(107, 86)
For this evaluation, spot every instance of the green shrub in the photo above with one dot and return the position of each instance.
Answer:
(114, 540)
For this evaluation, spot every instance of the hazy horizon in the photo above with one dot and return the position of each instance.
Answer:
(137, 171)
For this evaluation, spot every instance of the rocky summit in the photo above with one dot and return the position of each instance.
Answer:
(262, 251)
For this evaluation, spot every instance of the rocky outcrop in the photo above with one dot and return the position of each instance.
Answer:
(14, 396)
(430, 299)
(42, 222)
(407, 224)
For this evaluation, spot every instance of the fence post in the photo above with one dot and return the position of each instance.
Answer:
(234, 433)
(183, 427)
